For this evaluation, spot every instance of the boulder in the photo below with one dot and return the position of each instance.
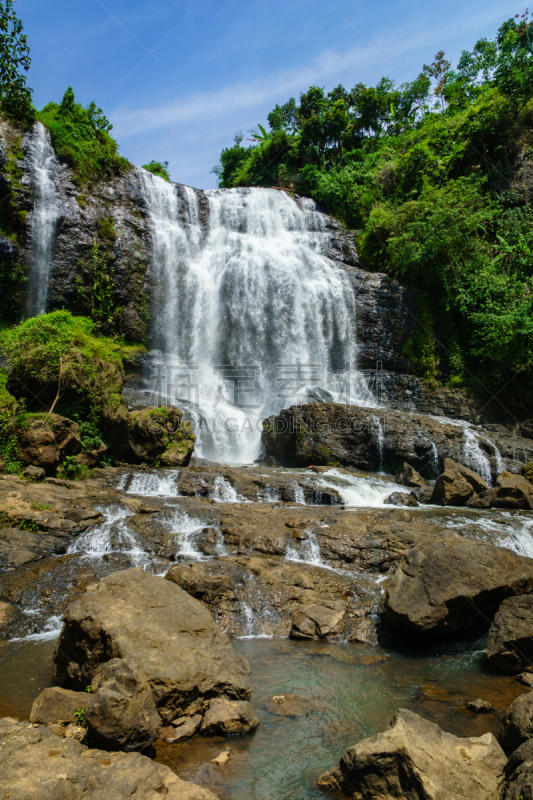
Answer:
(35, 473)
(513, 491)
(151, 434)
(415, 759)
(518, 722)
(168, 635)
(57, 705)
(46, 440)
(452, 585)
(317, 621)
(227, 717)
(122, 714)
(518, 780)
(510, 642)
(456, 485)
(37, 764)
(402, 499)
(479, 706)
(406, 475)
(182, 728)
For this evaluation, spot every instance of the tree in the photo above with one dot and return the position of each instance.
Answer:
(14, 57)
(438, 70)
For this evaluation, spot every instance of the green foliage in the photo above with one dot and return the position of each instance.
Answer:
(81, 138)
(80, 717)
(63, 351)
(159, 168)
(424, 172)
(102, 306)
(15, 96)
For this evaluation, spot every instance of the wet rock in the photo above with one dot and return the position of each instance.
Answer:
(211, 589)
(401, 499)
(7, 612)
(453, 585)
(510, 642)
(182, 728)
(57, 705)
(526, 678)
(288, 705)
(38, 764)
(168, 635)
(518, 722)
(318, 621)
(479, 706)
(36, 473)
(406, 475)
(456, 485)
(122, 714)
(333, 433)
(414, 758)
(513, 491)
(228, 717)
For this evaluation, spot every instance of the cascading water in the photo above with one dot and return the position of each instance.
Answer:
(474, 456)
(42, 219)
(250, 304)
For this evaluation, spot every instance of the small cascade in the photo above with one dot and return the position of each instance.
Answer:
(359, 492)
(271, 494)
(307, 551)
(434, 461)
(110, 536)
(223, 491)
(43, 219)
(247, 301)
(299, 495)
(184, 528)
(500, 464)
(474, 456)
(150, 484)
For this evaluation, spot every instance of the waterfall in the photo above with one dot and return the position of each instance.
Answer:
(42, 219)
(474, 456)
(248, 312)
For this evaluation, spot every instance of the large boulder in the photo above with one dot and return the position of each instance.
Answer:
(518, 781)
(37, 764)
(122, 714)
(46, 440)
(168, 635)
(415, 759)
(453, 585)
(510, 642)
(229, 717)
(518, 722)
(456, 485)
(510, 491)
(151, 434)
(406, 475)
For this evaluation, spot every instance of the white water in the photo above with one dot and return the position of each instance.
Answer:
(307, 551)
(42, 220)
(150, 484)
(475, 457)
(223, 492)
(359, 492)
(299, 495)
(110, 536)
(253, 288)
(184, 527)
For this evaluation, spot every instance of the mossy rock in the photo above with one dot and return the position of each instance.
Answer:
(154, 436)
(527, 471)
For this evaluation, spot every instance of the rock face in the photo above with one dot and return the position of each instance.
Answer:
(456, 485)
(510, 642)
(372, 439)
(168, 635)
(415, 759)
(122, 714)
(453, 585)
(35, 763)
(406, 475)
(518, 722)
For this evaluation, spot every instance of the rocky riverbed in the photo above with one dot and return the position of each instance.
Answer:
(292, 565)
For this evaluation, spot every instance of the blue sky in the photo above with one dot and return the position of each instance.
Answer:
(178, 78)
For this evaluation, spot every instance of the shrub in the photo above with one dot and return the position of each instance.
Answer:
(159, 168)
